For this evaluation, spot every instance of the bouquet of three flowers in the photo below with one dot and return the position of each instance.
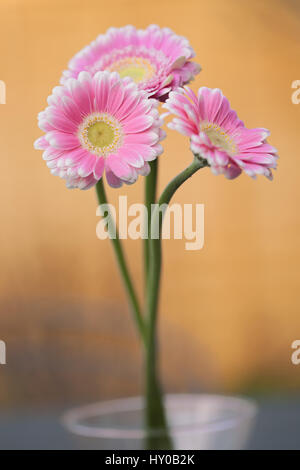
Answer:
(103, 121)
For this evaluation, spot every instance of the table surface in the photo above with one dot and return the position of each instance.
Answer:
(277, 427)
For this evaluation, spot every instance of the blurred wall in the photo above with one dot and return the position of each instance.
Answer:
(231, 309)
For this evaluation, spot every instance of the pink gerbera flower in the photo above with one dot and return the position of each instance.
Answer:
(155, 58)
(97, 124)
(218, 136)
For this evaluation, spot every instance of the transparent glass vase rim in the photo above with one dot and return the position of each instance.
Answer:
(244, 409)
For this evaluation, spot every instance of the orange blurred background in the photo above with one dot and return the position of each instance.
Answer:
(229, 312)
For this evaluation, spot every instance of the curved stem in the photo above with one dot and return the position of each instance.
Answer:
(133, 300)
(155, 244)
(150, 198)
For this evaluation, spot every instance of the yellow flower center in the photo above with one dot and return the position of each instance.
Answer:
(219, 137)
(137, 68)
(100, 133)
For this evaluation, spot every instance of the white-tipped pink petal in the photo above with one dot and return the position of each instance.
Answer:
(144, 170)
(41, 143)
(62, 140)
(120, 168)
(87, 166)
(138, 124)
(99, 168)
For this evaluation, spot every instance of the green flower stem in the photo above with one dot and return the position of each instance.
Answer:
(133, 300)
(150, 198)
(155, 413)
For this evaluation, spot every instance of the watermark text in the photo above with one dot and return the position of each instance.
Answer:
(2, 92)
(296, 94)
(2, 352)
(179, 222)
(295, 357)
